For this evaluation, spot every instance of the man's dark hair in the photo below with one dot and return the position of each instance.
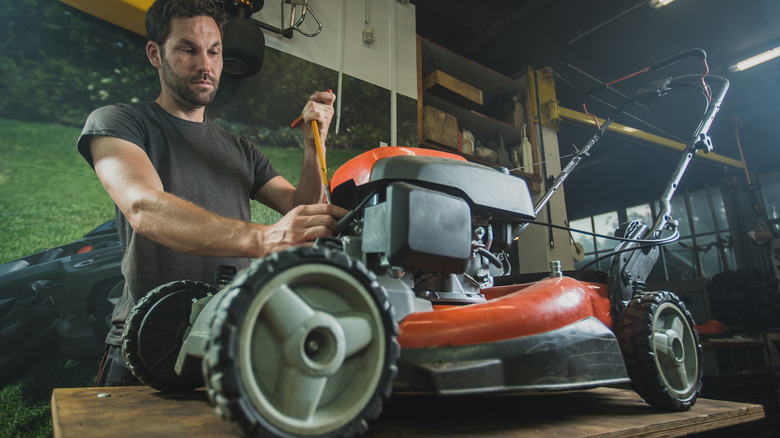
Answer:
(158, 17)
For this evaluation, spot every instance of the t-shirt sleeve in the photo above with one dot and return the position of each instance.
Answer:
(114, 121)
(264, 170)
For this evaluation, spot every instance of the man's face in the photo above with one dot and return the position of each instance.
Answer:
(192, 60)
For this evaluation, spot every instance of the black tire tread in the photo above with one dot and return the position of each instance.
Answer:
(634, 333)
(222, 381)
(132, 330)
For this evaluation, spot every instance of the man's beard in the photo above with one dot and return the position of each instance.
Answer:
(182, 87)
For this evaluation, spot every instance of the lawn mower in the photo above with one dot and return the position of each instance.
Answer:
(58, 299)
(413, 297)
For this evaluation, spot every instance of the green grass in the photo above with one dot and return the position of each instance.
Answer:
(48, 193)
(288, 162)
(25, 402)
(49, 196)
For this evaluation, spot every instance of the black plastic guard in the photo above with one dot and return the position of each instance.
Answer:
(419, 229)
(505, 196)
(582, 355)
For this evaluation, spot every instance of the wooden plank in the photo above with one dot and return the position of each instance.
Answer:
(134, 412)
(453, 89)
(440, 127)
(601, 412)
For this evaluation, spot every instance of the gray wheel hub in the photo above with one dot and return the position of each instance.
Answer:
(312, 344)
(674, 349)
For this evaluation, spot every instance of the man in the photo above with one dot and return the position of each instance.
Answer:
(181, 184)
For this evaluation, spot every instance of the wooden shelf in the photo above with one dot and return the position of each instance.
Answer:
(534, 182)
(479, 124)
(488, 131)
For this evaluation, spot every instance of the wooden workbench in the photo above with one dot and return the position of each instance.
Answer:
(144, 412)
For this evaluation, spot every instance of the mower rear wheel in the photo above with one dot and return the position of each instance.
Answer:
(303, 344)
(661, 350)
(154, 334)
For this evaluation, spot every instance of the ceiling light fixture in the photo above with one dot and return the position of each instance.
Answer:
(655, 4)
(755, 60)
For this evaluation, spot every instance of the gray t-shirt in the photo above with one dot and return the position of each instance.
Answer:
(199, 162)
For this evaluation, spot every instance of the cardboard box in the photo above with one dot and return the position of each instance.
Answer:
(439, 127)
(453, 90)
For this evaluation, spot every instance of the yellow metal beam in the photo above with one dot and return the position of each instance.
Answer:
(127, 14)
(546, 95)
(584, 119)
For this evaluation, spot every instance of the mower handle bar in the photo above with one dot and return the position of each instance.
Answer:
(700, 140)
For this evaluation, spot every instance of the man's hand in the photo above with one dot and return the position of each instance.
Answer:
(302, 225)
(319, 107)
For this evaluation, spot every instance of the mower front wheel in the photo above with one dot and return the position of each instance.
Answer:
(661, 350)
(302, 344)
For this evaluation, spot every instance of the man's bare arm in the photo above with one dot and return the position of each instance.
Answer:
(281, 195)
(135, 187)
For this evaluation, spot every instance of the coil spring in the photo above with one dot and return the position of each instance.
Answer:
(225, 274)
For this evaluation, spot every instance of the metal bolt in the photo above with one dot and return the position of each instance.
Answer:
(555, 269)
(312, 347)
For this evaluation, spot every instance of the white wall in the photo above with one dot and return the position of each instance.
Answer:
(389, 62)
(340, 44)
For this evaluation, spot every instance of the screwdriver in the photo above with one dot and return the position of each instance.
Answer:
(320, 153)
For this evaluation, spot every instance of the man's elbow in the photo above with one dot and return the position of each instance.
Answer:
(139, 212)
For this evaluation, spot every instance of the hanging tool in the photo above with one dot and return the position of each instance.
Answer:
(503, 154)
(577, 250)
(762, 232)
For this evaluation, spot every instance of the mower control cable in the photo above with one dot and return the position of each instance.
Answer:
(699, 53)
(645, 244)
(662, 241)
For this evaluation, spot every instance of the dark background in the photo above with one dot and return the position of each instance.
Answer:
(588, 42)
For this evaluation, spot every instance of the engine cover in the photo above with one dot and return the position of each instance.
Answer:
(419, 229)
(504, 196)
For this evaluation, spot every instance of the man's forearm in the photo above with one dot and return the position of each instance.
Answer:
(310, 187)
(187, 228)
(318, 108)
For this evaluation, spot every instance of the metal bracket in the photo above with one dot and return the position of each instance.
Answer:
(703, 143)
(294, 25)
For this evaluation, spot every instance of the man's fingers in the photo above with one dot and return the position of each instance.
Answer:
(325, 97)
(321, 113)
(322, 221)
(323, 209)
(317, 220)
(311, 234)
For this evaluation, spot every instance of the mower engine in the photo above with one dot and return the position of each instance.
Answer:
(431, 226)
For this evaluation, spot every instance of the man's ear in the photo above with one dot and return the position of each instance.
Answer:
(154, 54)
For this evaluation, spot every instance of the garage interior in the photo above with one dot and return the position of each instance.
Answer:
(589, 43)
(502, 83)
